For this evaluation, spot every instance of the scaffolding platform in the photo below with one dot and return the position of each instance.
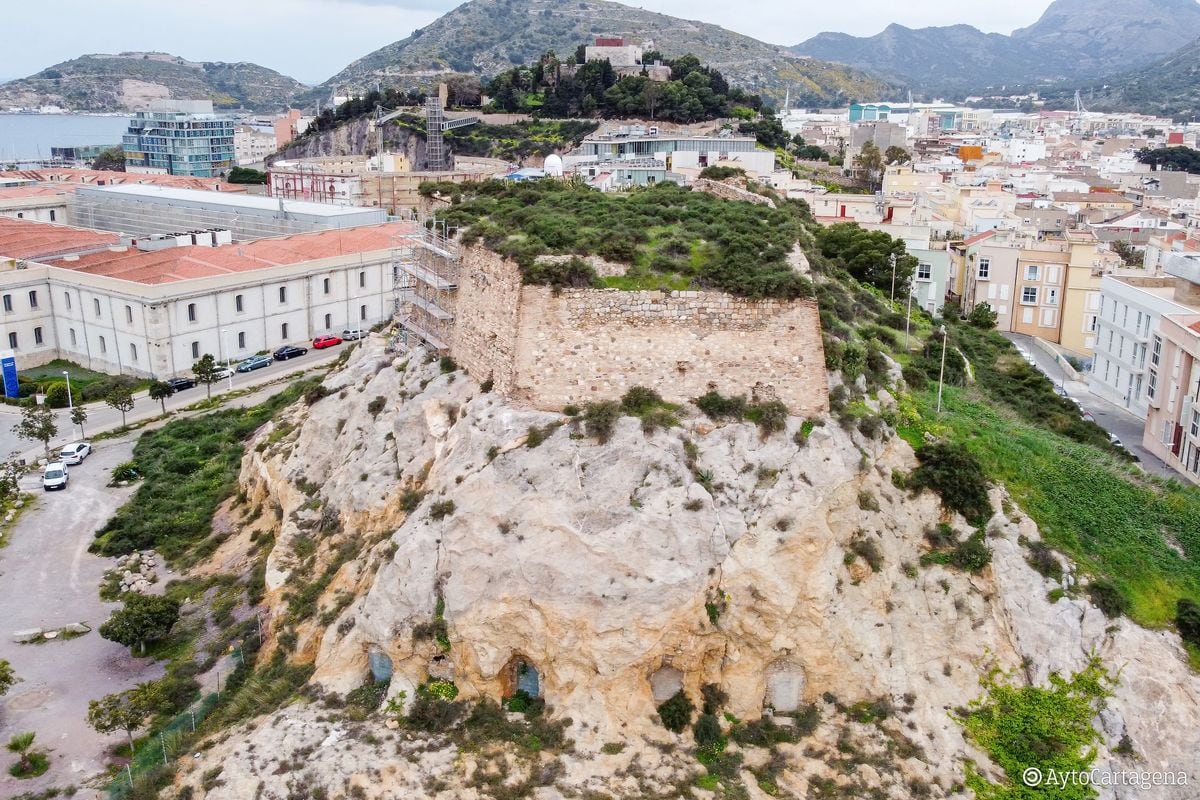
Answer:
(420, 331)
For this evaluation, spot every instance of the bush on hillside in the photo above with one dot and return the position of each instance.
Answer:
(956, 475)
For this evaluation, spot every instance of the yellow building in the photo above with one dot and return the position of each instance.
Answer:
(1081, 295)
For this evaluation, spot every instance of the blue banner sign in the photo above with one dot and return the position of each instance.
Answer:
(8, 365)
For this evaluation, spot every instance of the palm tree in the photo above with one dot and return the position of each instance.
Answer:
(20, 744)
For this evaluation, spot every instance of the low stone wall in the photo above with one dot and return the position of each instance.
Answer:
(547, 348)
(729, 192)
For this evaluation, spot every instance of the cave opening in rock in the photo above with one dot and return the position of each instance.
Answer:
(380, 665)
(785, 686)
(521, 675)
(665, 683)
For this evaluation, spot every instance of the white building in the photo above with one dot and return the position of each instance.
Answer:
(1131, 308)
(251, 145)
(90, 297)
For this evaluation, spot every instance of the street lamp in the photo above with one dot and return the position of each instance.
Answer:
(228, 368)
(942, 371)
(892, 259)
(70, 402)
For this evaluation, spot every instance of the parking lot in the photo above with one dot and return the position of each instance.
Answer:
(47, 580)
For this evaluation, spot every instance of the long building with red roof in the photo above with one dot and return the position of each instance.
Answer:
(154, 306)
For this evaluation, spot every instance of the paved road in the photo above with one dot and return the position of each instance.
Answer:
(1114, 419)
(102, 417)
(48, 579)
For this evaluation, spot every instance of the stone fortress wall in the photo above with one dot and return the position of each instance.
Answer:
(548, 348)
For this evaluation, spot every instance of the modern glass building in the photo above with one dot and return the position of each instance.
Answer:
(180, 138)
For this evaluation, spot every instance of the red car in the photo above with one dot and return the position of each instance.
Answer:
(322, 342)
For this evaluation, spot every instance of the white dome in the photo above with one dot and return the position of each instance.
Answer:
(553, 165)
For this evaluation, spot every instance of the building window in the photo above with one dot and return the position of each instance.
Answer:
(324, 286)
(33, 299)
(1029, 296)
(985, 268)
(1156, 352)
(132, 351)
(923, 272)
(191, 309)
(12, 341)
(362, 312)
(37, 335)
(67, 298)
(328, 321)
(1031, 272)
(1151, 383)
(362, 280)
(8, 302)
(103, 345)
(129, 314)
(1052, 297)
(53, 216)
(241, 341)
(283, 294)
(195, 351)
(283, 331)
(1195, 428)
(71, 331)
(1091, 323)
(237, 303)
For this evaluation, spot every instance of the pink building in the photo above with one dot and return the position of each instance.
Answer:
(1173, 390)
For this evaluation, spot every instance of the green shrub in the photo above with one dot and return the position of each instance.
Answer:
(972, 554)
(676, 712)
(955, 474)
(446, 364)
(125, 472)
(439, 688)
(1042, 559)
(717, 407)
(432, 714)
(770, 416)
(315, 394)
(707, 730)
(1187, 620)
(714, 698)
(1108, 597)
(599, 419)
(868, 550)
(915, 377)
(639, 400)
(441, 509)
(376, 405)
(411, 499)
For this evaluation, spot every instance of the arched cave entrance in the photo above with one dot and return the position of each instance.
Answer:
(665, 683)
(785, 686)
(521, 675)
(380, 665)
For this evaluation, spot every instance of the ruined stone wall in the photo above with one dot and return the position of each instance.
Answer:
(486, 312)
(728, 191)
(548, 349)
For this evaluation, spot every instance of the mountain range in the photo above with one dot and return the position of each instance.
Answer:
(1073, 39)
(108, 82)
(488, 36)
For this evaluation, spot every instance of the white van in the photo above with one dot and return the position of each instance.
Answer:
(55, 476)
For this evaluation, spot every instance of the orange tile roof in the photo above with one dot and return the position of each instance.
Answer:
(24, 238)
(26, 192)
(187, 263)
(96, 177)
(979, 237)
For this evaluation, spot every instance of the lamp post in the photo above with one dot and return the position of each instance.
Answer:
(228, 368)
(908, 317)
(942, 371)
(892, 259)
(70, 401)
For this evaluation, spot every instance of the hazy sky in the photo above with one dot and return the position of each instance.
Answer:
(312, 39)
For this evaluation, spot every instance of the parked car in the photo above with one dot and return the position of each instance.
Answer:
(179, 384)
(221, 373)
(1087, 417)
(55, 476)
(321, 342)
(254, 362)
(1112, 437)
(352, 335)
(289, 351)
(75, 453)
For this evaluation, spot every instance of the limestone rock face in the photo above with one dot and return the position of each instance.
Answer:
(698, 554)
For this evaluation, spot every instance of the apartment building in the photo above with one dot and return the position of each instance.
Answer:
(100, 300)
(1173, 394)
(1038, 293)
(1132, 308)
(179, 138)
(985, 271)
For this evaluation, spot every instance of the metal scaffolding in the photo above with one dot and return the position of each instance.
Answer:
(425, 266)
(435, 126)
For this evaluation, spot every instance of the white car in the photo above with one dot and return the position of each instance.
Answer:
(55, 476)
(75, 453)
(350, 335)
(222, 373)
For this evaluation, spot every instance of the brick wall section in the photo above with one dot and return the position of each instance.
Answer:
(547, 349)
(729, 192)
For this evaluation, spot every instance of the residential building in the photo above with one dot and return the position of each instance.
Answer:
(1038, 295)
(984, 268)
(140, 210)
(180, 138)
(41, 203)
(290, 125)
(109, 305)
(1128, 323)
(1088, 262)
(678, 151)
(932, 278)
(251, 145)
(1173, 394)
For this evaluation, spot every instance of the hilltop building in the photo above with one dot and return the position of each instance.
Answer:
(179, 137)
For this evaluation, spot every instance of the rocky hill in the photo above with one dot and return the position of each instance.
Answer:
(1170, 87)
(129, 81)
(488, 36)
(1072, 39)
(427, 539)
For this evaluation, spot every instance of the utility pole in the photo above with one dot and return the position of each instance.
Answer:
(907, 318)
(942, 371)
(892, 259)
